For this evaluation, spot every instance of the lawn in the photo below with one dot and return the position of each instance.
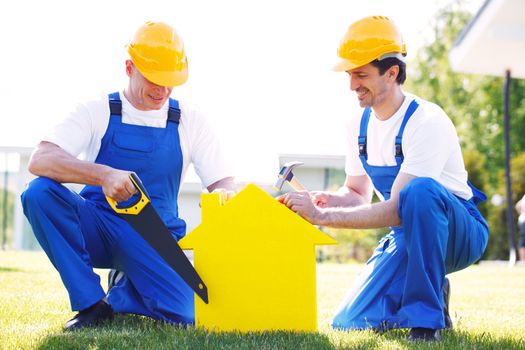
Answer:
(487, 305)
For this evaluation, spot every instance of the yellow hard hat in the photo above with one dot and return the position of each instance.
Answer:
(369, 39)
(158, 53)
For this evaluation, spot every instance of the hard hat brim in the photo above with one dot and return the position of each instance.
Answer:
(345, 65)
(168, 79)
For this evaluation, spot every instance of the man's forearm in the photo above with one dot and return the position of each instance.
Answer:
(51, 161)
(383, 214)
(350, 198)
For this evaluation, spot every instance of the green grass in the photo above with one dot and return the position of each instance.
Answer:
(487, 304)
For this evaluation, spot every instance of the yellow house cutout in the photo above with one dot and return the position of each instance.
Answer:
(257, 259)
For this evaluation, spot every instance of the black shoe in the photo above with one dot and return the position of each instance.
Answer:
(446, 296)
(424, 334)
(92, 316)
(113, 277)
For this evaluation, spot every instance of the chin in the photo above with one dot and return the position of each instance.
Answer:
(156, 105)
(364, 104)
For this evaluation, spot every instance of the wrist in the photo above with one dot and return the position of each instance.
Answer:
(101, 174)
(321, 217)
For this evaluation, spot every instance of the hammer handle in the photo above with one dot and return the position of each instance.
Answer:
(296, 185)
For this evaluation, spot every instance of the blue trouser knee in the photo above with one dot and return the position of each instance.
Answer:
(54, 214)
(443, 234)
(78, 235)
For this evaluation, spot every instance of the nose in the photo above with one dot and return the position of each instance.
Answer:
(353, 82)
(164, 90)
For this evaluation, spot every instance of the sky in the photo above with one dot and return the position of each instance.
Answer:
(259, 70)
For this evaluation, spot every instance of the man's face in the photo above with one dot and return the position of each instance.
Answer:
(144, 94)
(370, 87)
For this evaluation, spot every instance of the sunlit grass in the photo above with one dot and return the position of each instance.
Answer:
(487, 305)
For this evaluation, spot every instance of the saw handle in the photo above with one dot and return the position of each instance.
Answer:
(135, 207)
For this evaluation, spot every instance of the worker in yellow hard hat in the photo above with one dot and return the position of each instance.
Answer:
(406, 150)
(138, 130)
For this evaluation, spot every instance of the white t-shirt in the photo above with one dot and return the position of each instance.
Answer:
(82, 131)
(430, 146)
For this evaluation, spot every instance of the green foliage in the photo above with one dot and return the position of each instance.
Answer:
(9, 223)
(353, 245)
(475, 165)
(517, 175)
(477, 173)
(497, 219)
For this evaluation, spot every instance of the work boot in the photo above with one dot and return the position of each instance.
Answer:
(424, 334)
(92, 316)
(113, 277)
(446, 296)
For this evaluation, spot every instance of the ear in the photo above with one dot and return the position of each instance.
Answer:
(129, 68)
(393, 72)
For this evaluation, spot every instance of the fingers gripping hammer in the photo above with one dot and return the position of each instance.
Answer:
(286, 175)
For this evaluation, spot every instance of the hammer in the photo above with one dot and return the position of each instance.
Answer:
(286, 175)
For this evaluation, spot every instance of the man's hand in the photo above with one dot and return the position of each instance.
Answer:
(357, 190)
(225, 194)
(226, 188)
(301, 203)
(117, 185)
(325, 199)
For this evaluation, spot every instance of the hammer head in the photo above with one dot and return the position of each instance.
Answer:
(286, 174)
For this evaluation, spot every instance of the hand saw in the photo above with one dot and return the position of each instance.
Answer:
(141, 215)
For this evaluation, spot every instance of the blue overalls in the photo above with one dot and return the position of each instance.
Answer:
(401, 285)
(79, 232)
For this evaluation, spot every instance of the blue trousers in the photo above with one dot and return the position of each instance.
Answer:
(78, 235)
(522, 234)
(401, 286)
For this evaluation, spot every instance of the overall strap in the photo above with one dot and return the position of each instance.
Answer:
(115, 107)
(399, 149)
(115, 104)
(174, 111)
(362, 134)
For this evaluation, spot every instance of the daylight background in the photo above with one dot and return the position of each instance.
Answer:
(259, 69)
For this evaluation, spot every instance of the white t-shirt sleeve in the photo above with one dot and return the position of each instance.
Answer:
(353, 165)
(427, 145)
(204, 148)
(73, 133)
(82, 130)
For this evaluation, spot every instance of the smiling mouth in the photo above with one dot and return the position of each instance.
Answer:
(157, 99)
(361, 92)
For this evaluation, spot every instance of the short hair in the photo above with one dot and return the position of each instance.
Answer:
(384, 64)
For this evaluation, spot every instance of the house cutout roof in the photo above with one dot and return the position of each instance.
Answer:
(257, 259)
(273, 215)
